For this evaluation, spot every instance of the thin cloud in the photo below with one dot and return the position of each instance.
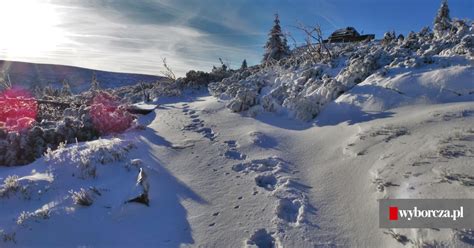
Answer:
(133, 36)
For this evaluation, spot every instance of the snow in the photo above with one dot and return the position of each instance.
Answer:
(406, 87)
(145, 106)
(250, 181)
(30, 75)
(299, 161)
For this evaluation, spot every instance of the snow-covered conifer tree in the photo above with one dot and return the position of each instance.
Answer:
(244, 65)
(442, 22)
(94, 83)
(66, 90)
(276, 47)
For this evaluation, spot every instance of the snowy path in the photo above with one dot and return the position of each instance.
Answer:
(337, 204)
(220, 179)
(234, 164)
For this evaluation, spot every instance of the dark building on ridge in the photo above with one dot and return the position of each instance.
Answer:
(348, 34)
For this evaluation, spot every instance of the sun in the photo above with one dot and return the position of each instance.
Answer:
(29, 28)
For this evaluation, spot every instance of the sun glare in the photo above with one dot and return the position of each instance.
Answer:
(29, 28)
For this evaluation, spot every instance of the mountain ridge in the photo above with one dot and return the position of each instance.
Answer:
(30, 75)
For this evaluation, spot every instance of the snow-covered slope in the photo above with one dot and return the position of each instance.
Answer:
(220, 179)
(42, 75)
(448, 80)
(301, 85)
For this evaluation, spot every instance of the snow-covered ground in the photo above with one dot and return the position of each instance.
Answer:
(312, 148)
(215, 178)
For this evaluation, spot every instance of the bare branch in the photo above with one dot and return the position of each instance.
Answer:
(315, 41)
(5, 83)
(295, 44)
(168, 72)
(145, 92)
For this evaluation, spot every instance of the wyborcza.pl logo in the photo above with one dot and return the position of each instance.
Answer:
(426, 213)
(410, 214)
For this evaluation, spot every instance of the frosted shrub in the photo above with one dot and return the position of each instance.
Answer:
(88, 156)
(388, 38)
(18, 109)
(196, 79)
(82, 197)
(24, 216)
(165, 89)
(10, 186)
(108, 115)
(243, 100)
(65, 118)
(17, 148)
(360, 67)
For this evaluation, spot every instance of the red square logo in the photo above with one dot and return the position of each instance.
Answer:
(393, 213)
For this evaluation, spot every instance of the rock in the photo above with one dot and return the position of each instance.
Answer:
(141, 189)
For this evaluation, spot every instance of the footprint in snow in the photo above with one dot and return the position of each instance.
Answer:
(288, 210)
(260, 239)
(262, 140)
(267, 181)
(261, 165)
(231, 143)
(207, 133)
(233, 154)
(193, 126)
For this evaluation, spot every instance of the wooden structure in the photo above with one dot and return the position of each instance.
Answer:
(348, 34)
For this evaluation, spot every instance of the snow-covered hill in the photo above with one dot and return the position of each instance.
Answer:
(301, 87)
(30, 75)
(291, 154)
(220, 179)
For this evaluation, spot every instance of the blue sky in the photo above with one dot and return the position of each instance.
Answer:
(133, 35)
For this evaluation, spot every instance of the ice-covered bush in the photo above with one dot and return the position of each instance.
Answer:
(196, 79)
(148, 91)
(31, 121)
(18, 109)
(388, 38)
(243, 100)
(86, 156)
(108, 115)
(361, 65)
(60, 119)
(82, 197)
(10, 186)
(17, 148)
(165, 88)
